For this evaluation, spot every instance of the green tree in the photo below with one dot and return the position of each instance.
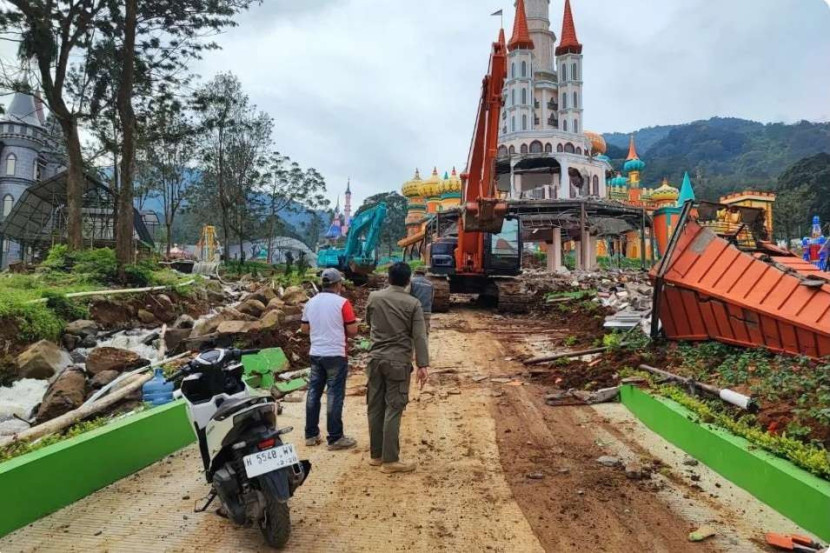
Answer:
(791, 212)
(287, 187)
(394, 227)
(805, 190)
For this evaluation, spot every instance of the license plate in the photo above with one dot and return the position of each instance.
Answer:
(270, 460)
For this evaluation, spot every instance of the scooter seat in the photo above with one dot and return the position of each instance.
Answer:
(232, 406)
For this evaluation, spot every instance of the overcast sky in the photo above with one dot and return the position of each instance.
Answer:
(371, 89)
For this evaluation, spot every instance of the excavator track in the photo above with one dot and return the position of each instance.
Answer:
(513, 297)
(441, 294)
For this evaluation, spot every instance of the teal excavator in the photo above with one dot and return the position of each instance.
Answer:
(359, 258)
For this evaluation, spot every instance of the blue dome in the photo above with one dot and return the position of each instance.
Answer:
(619, 181)
(634, 165)
(603, 157)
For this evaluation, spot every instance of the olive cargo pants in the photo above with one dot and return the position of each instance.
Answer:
(387, 396)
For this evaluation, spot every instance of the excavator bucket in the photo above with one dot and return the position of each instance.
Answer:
(486, 215)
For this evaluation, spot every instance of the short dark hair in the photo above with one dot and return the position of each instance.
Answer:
(399, 274)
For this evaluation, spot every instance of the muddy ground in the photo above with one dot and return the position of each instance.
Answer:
(498, 471)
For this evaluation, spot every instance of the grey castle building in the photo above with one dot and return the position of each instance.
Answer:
(27, 155)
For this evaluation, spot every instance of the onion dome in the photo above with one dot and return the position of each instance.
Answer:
(603, 157)
(598, 145)
(451, 186)
(633, 161)
(432, 186)
(665, 193)
(619, 180)
(410, 187)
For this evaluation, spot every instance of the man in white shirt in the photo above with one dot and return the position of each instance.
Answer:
(329, 319)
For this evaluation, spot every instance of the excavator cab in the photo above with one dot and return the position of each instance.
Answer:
(503, 251)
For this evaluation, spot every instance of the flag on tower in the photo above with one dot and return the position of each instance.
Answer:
(500, 12)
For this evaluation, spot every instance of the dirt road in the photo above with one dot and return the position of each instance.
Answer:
(498, 471)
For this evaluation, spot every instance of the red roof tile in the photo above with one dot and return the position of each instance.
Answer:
(521, 36)
(568, 44)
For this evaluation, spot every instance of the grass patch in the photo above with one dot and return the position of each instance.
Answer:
(17, 449)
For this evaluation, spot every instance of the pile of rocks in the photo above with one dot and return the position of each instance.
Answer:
(69, 383)
(263, 308)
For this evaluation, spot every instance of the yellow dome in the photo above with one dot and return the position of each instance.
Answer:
(598, 145)
(665, 192)
(410, 187)
(431, 186)
(453, 184)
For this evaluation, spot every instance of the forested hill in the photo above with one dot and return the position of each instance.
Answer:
(721, 154)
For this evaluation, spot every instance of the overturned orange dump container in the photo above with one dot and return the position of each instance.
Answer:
(708, 289)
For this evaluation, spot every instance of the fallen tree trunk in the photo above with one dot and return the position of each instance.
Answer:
(70, 418)
(124, 376)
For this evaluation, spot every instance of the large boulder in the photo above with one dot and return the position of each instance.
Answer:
(82, 328)
(264, 294)
(233, 314)
(113, 359)
(174, 337)
(66, 393)
(294, 295)
(184, 321)
(42, 360)
(292, 313)
(275, 303)
(103, 378)
(162, 308)
(272, 319)
(227, 328)
(146, 317)
(252, 307)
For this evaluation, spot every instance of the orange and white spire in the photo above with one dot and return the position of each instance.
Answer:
(521, 34)
(632, 149)
(568, 43)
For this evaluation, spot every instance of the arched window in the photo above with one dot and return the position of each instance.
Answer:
(564, 72)
(559, 148)
(564, 101)
(502, 151)
(11, 162)
(565, 125)
(535, 147)
(578, 151)
(8, 202)
(576, 101)
(596, 186)
(513, 124)
(524, 69)
(513, 70)
(524, 122)
(524, 96)
(548, 148)
(569, 148)
(574, 73)
(512, 150)
(523, 149)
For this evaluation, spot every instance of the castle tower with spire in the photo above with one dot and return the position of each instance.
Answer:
(347, 208)
(541, 136)
(26, 157)
(569, 62)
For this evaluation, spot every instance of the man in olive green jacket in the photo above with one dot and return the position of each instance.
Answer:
(396, 323)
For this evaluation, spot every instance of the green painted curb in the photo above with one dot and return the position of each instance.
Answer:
(793, 492)
(43, 481)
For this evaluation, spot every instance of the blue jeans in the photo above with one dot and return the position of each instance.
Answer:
(326, 373)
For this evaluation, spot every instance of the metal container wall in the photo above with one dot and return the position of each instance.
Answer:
(713, 290)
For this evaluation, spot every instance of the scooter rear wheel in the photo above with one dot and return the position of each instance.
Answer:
(276, 525)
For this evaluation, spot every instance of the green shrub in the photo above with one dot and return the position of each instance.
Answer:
(99, 263)
(57, 258)
(64, 307)
(138, 275)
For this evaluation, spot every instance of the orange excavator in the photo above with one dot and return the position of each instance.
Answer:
(477, 248)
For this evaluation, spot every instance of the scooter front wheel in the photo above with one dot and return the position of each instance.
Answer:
(276, 524)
